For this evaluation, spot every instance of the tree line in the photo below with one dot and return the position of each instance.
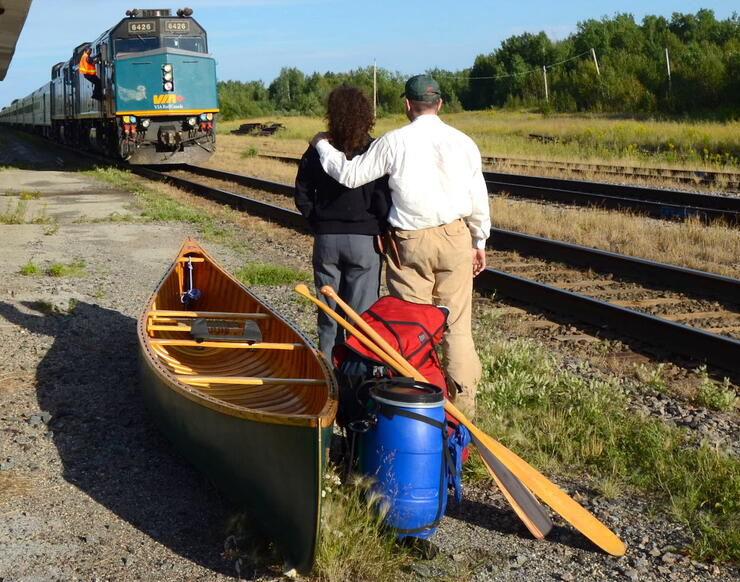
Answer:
(686, 65)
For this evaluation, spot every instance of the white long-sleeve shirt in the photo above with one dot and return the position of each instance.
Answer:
(434, 174)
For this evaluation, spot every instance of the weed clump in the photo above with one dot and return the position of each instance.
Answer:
(256, 274)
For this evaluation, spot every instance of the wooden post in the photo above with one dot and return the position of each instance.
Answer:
(544, 74)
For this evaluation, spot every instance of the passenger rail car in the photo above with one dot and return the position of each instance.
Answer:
(159, 101)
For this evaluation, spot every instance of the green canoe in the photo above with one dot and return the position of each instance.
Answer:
(243, 394)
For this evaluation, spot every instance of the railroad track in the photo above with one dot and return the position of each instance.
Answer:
(681, 311)
(654, 202)
(729, 181)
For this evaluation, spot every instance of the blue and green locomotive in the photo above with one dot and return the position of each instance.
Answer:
(158, 100)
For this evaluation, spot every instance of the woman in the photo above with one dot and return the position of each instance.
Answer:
(345, 222)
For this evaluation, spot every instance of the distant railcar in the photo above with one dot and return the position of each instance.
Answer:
(159, 102)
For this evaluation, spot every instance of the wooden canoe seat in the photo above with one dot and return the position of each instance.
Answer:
(225, 330)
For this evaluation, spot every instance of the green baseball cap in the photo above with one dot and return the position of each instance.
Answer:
(422, 88)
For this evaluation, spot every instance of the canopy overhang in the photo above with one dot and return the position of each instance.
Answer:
(12, 18)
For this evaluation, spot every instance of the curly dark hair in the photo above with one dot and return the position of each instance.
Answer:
(350, 117)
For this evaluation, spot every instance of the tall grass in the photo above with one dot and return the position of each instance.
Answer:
(564, 421)
(595, 138)
(714, 247)
(354, 544)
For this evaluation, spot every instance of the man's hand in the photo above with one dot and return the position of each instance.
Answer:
(479, 261)
(318, 137)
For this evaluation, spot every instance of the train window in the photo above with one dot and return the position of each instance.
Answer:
(136, 45)
(186, 43)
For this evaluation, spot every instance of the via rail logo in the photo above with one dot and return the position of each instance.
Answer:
(168, 101)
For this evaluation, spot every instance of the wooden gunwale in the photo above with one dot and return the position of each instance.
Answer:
(181, 368)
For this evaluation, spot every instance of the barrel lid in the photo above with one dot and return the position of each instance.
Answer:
(417, 393)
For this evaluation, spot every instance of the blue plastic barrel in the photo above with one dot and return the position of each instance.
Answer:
(404, 451)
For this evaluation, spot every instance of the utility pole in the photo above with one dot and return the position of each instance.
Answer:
(593, 53)
(544, 74)
(668, 70)
(375, 88)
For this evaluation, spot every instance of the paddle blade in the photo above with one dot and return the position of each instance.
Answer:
(555, 497)
(519, 497)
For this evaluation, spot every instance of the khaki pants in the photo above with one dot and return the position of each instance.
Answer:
(436, 267)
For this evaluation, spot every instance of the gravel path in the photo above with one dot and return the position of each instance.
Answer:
(90, 490)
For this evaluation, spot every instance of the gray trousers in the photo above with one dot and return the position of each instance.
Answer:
(351, 265)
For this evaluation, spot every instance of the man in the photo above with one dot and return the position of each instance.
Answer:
(440, 219)
(88, 70)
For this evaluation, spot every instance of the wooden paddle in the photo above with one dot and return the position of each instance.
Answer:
(540, 485)
(519, 497)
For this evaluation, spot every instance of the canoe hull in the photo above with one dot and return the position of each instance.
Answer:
(273, 471)
(254, 416)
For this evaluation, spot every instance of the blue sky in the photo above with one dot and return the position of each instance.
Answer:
(253, 39)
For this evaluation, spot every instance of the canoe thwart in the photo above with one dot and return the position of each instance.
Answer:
(256, 381)
(206, 314)
(224, 344)
(224, 330)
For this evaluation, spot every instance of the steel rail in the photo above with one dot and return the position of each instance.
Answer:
(655, 202)
(714, 349)
(627, 267)
(676, 197)
(684, 176)
(696, 344)
(677, 174)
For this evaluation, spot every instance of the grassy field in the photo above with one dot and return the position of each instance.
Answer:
(696, 145)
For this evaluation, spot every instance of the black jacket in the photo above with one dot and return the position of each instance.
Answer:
(331, 208)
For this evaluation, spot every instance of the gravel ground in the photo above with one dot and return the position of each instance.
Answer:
(89, 489)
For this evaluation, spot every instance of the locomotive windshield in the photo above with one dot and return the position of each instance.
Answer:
(136, 45)
(141, 44)
(186, 43)
(138, 35)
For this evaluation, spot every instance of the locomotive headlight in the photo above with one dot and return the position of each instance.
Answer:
(168, 86)
(167, 68)
(192, 121)
(127, 119)
(145, 123)
(203, 117)
(167, 76)
(209, 116)
(133, 119)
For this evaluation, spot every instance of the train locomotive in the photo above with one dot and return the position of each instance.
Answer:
(158, 103)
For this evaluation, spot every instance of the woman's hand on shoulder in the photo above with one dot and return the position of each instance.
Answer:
(318, 137)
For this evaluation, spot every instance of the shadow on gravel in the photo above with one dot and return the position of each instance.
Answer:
(109, 447)
(506, 522)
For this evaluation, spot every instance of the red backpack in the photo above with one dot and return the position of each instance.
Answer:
(412, 329)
